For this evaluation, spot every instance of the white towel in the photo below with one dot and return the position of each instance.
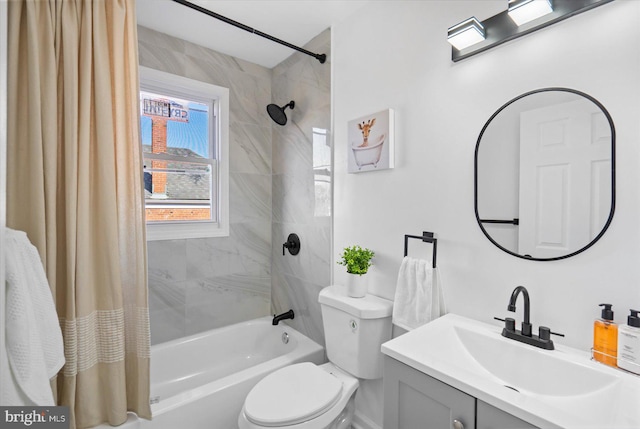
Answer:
(419, 298)
(35, 351)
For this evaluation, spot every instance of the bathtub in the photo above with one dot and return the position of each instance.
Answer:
(201, 381)
(369, 155)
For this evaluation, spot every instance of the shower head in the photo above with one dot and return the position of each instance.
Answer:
(277, 112)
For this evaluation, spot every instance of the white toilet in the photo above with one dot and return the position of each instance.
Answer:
(308, 396)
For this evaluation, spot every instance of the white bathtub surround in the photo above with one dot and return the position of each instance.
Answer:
(299, 294)
(182, 272)
(302, 186)
(197, 284)
(201, 381)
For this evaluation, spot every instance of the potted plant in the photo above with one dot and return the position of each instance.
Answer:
(357, 260)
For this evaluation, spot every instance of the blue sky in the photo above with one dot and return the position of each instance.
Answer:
(190, 135)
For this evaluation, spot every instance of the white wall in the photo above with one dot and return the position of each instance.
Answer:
(395, 55)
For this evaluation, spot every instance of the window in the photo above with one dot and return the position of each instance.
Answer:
(184, 136)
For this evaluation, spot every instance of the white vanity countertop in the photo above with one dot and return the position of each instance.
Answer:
(561, 388)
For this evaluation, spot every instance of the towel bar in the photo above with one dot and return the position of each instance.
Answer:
(426, 237)
(515, 221)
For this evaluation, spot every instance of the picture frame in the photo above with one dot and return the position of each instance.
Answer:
(370, 143)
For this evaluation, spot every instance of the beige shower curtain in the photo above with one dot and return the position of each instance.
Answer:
(74, 185)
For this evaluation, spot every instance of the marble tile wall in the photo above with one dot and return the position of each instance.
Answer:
(301, 186)
(200, 284)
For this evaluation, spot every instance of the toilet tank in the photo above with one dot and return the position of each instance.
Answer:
(354, 330)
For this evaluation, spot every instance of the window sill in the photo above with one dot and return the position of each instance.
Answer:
(158, 232)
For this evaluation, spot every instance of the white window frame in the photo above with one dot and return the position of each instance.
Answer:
(181, 87)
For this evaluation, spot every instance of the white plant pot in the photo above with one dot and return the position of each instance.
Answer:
(357, 285)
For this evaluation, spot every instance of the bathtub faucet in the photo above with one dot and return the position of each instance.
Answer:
(288, 315)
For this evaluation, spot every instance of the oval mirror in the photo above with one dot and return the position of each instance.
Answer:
(545, 174)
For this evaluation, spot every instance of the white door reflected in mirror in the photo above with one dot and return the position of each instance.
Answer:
(546, 158)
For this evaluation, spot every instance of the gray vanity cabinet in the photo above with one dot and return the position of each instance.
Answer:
(490, 417)
(414, 400)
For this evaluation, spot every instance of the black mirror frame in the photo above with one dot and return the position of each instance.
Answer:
(613, 173)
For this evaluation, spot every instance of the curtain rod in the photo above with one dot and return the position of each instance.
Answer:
(320, 57)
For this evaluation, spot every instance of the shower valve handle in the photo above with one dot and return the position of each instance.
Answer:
(293, 244)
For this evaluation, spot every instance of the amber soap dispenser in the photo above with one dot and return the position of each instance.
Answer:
(605, 337)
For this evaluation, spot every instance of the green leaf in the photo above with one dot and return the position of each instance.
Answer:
(356, 259)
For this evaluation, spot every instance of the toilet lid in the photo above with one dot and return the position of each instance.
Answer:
(292, 395)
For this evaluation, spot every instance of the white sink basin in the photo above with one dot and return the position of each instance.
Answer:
(528, 369)
(548, 388)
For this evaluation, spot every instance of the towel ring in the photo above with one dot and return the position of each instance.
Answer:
(426, 237)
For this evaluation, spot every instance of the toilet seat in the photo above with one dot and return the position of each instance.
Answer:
(292, 395)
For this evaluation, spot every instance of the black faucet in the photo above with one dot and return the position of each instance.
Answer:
(542, 340)
(287, 315)
(526, 325)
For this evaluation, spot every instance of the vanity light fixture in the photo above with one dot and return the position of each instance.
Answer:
(502, 27)
(466, 33)
(523, 11)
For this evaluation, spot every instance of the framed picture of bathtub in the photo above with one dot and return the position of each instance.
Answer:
(370, 142)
